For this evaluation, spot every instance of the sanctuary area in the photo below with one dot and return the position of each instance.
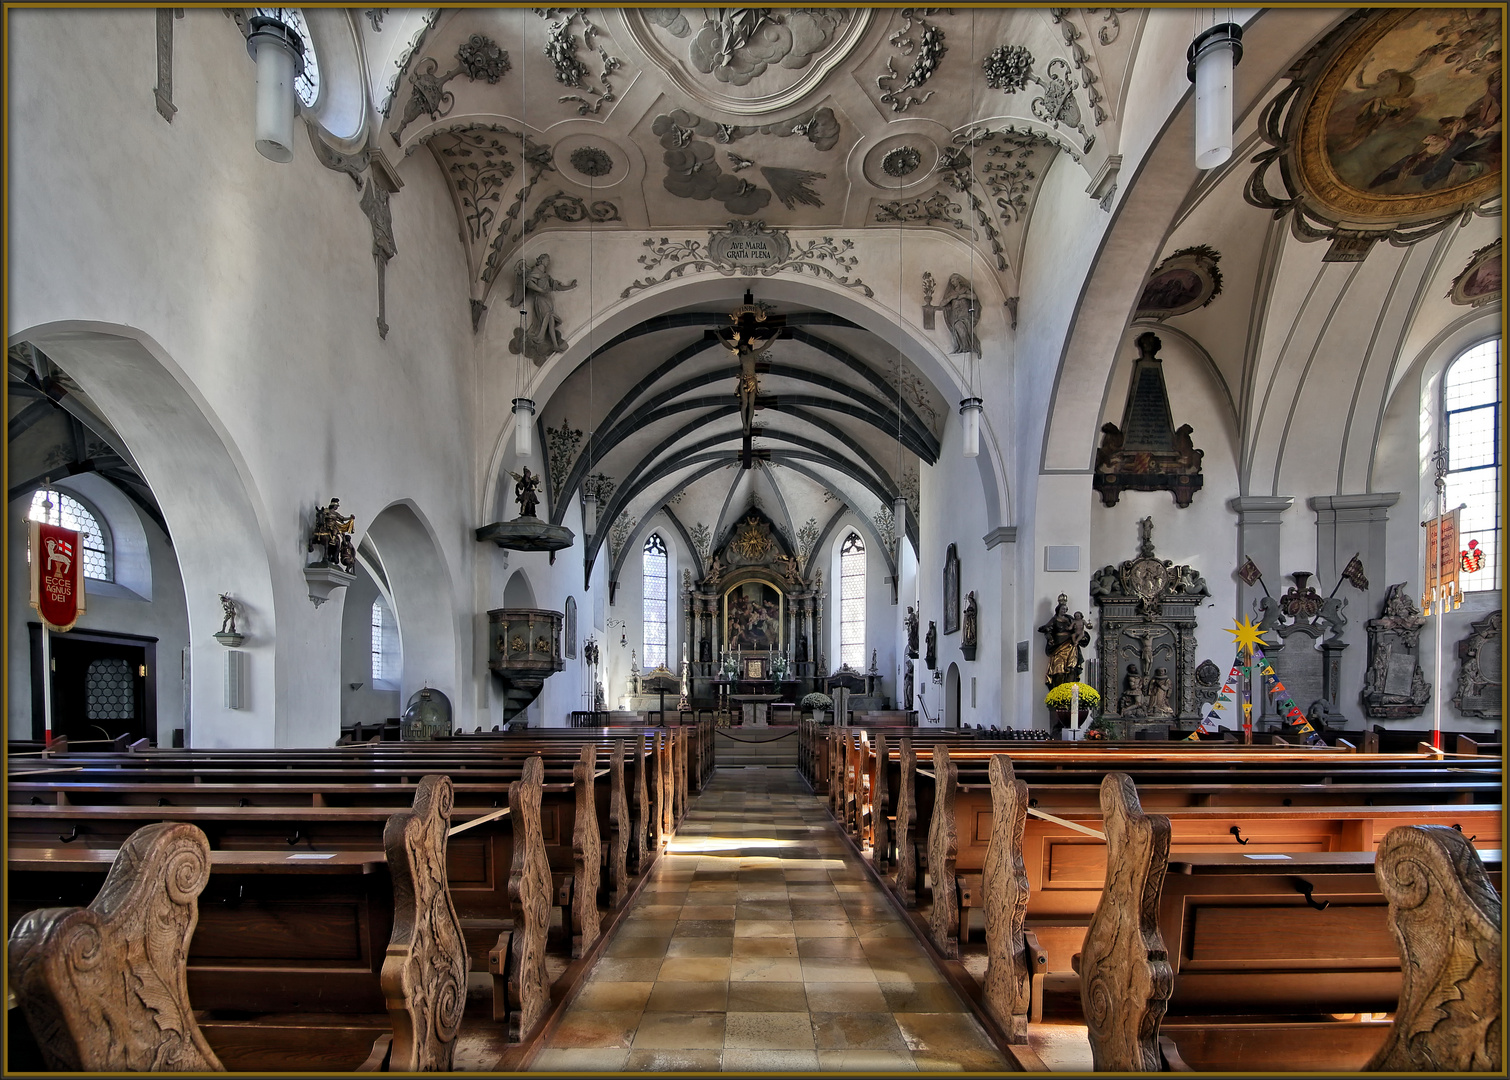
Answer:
(754, 539)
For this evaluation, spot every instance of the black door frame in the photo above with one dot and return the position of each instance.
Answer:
(104, 637)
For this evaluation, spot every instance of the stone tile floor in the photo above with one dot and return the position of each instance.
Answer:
(760, 945)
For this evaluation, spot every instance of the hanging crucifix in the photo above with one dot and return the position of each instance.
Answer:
(752, 331)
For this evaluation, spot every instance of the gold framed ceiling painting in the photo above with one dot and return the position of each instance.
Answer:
(1391, 127)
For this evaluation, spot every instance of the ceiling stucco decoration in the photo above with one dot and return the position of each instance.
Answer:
(900, 162)
(747, 60)
(1390, 129)
(693, 172)
(1188, 279)
(478, 58)
(561, 49)
(1481, 280)
(746, 248)
(903, 161)
(917, 40)
(591, 161)
(1081, 59)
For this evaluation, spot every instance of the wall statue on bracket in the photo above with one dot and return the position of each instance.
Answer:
(1064, 636)
(332, 530)
(931, 647)
(534, 292)
(961, 312)
(951, 590)
(969, 627)
(1147, 453)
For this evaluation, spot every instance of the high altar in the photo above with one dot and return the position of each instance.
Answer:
(754, 619)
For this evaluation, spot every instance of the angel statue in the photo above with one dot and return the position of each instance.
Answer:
(539, 337)
(961, 314)
(526, 491)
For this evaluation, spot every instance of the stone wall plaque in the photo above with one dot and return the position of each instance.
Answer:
(1394, 687)
(1147, 453)
(1478, 692)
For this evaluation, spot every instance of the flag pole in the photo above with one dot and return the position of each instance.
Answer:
(46, 685)
(1342, 577)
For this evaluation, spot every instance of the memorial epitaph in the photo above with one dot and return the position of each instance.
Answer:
(1147, 453)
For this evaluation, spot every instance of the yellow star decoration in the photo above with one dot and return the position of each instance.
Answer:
(1248, 636)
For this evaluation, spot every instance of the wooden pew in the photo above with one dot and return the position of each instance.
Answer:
(1230, 953)
(1444, 914)
(103, 987)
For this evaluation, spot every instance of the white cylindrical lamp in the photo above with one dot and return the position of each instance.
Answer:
(969, 411)
(899, 523)
(279, 53)
(1211, 58)
(589, 513)
(524, 429)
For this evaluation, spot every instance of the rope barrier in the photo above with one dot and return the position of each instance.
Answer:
(753, 742)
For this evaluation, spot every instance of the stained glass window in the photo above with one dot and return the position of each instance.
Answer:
(72, 514)
(852, 602)
(1470, 421)
(655, 564)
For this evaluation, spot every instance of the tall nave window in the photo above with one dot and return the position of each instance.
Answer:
(1470, 424)
(55, 508)
(852, 602)
(655, 601)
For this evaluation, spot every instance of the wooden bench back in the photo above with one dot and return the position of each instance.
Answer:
(103, 988)
(1006, 987)
(424, 975)
(1446, 918)
(1125, 977)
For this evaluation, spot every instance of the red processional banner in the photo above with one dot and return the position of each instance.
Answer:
(57, 576)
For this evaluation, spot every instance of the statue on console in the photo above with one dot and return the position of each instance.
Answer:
(912, 632)
(228, 621)
(534, 291)
(526, 491)
(931, 655)
(333, 529)
(1064, 636)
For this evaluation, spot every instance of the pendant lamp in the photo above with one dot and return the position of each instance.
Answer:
(969, 411)
(1212, 57)
(279, 53)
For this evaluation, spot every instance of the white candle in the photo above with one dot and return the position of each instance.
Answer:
(1075, 706)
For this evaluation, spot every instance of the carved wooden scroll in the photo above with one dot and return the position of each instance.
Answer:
(861, 788)
(836, 772)
(1445, 915)
(104, 988)
(683, 746)
(880, 828)
(1004, 889)
(657, 835)
(640, 811)
(943, 852)
(587, 855)
(618, 827)
(907, 858)
(668, 786)
(1125, 977)
(424, 977)
(530, 898)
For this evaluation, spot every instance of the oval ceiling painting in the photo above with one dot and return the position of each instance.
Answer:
(1406, 119)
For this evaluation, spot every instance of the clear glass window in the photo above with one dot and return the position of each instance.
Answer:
(307, 85)
(377, 640)
(72, 514)
(655, 572)
(852, 602)
(1470, 424)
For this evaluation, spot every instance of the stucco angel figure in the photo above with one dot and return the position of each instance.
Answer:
(961, 314)
(533, 293)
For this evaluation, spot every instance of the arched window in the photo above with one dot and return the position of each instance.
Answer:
(307, 83)
(655, 572)
(387, 658)
(56, 508)
(852, 602)
(1470, 431)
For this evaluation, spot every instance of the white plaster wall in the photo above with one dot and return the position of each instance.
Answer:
(366, 705)
(256, 281)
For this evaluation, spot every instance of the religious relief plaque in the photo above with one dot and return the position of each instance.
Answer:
(1147, 453)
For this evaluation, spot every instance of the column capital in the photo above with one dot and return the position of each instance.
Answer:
(1367, 507)
(1260, 509)
(1002, 534)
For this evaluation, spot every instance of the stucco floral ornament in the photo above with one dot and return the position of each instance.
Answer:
(1008, 68)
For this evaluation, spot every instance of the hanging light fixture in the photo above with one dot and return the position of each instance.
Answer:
(899, 523)
(1212, 56)
(279, 53)
(589, 511)
(969, 411)
(524, 414)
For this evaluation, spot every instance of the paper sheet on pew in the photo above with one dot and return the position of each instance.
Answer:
(314, 855)
(1262, 856)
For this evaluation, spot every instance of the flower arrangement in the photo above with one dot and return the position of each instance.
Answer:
(817, 701)
(1059, 697)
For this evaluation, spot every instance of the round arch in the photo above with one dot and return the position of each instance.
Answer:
(420, 587)
(215, 516)
(869, 314)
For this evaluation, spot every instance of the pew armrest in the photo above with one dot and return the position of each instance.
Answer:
(1171, 1055)
(377, 1061)
(1037, 959)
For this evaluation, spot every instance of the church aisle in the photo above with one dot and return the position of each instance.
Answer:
(760, 944)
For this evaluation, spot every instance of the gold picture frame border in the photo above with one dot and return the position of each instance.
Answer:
(1310, 164)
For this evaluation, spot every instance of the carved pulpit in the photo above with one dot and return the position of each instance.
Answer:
(1147, 637)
